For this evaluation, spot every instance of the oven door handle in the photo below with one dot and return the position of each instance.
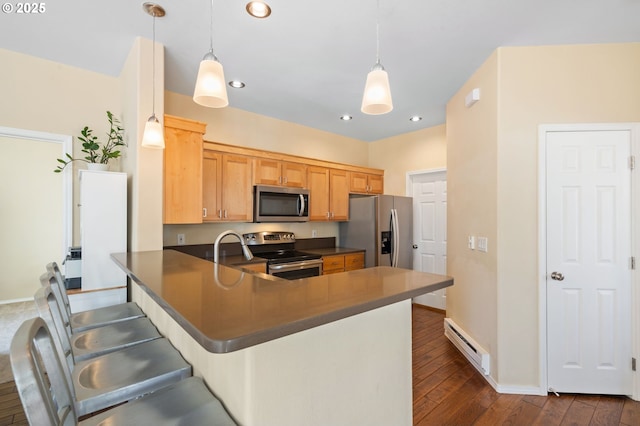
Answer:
(292, 266)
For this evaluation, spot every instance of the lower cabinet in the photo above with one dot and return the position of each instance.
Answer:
(255, 267)
(342, 262)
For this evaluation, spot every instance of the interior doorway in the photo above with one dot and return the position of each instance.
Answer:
(35, 206)
(585, 258)
(429, 191)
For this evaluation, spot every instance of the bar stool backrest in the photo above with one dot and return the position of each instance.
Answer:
(38, 372)
(60, 290)
(50, 312)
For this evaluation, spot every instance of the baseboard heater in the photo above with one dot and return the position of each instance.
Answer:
(469, 348)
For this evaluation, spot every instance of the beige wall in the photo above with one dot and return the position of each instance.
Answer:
(237, 127)
(50, 97)
(471, 208)
(143, 165)
(493, 179)
(420, 150)
(539, 85)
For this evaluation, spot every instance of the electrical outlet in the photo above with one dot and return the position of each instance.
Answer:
(181, 240)
(314, 233)
(483, 244)
(472, 242)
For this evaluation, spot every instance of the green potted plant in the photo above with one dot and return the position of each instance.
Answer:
(96, 153)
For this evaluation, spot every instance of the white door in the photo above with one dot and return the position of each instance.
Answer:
(429, 191)
(588, 262)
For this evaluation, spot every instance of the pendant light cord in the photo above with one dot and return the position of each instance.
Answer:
(211, 28)
(153, 68)
(377, 31)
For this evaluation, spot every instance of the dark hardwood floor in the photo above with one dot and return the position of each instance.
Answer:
(447, 390)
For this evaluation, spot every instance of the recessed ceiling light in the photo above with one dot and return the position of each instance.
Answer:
(258, 9)
(346, 117)
(236, 84)
(415, 118)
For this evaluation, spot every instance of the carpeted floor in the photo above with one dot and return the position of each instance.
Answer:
(11, 316)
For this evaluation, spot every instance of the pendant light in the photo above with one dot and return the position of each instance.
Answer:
(211, 87)
(153, 136)
(377, 93)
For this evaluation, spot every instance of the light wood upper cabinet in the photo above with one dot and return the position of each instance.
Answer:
(328, 194)
(364, 183)
(182, 170)
(318, 182)
(279, 173)
(339, 194)
(227, 189)
(212, 186)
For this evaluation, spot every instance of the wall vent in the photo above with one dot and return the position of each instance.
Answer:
(469, 348)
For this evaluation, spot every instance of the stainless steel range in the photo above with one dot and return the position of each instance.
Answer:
(283, 260)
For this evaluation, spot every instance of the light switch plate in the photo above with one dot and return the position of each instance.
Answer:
(472, 242)
(483, 244)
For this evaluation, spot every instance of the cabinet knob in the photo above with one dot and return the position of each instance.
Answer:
(204, 212)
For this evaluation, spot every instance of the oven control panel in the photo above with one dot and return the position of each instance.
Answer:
(269, 237)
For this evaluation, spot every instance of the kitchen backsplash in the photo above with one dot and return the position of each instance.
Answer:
(206, 233)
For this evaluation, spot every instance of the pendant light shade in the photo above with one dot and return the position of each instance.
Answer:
(211, 86)
(377, 93)
(153, 134)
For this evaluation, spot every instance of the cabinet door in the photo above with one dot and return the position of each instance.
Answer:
(267, 172)
(353, 261)
(358, 182)
(376, 184)
(318, 183)
(332, 264)
(339, 194)
(364, 183)
(211, 187)
(237, 200)
(294, 175)
(182, 176)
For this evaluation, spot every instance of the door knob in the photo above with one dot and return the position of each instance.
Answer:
(557, 276)
(415, 246)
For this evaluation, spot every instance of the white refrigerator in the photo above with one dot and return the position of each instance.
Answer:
(103, 230)
(383, 226)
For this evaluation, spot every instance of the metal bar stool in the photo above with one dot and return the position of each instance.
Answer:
(119, 376)
(96, 341)
(48, 400)
(86, 320)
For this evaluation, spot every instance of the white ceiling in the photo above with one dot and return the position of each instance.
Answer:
(307, 63)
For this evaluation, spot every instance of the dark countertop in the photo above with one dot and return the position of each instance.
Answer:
(334, 251)
(225, 309)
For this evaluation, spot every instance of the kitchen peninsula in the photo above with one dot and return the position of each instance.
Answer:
(333, 349)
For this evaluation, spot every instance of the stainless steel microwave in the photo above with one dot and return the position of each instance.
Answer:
(279, 204)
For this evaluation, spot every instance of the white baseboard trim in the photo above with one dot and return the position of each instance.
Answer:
(515, 390)
(9, 301)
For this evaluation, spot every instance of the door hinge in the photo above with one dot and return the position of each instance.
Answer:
(632, 162)
(633, 364)
(632, 262)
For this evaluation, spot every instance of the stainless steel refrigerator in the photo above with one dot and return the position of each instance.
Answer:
(383, 226)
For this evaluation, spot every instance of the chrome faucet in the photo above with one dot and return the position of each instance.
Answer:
(216, 246)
